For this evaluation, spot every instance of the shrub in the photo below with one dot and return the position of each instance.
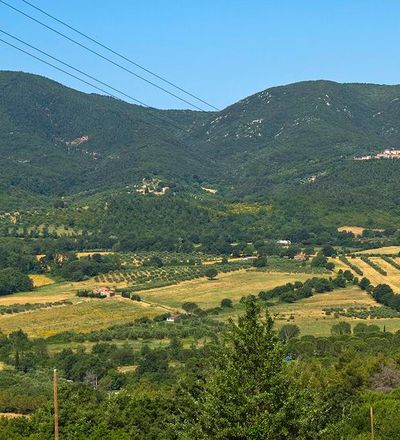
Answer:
(211, 273)
(341, 328)
(226, 303)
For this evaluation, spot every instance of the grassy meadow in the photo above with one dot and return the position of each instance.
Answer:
(209, 293)
(308, 314)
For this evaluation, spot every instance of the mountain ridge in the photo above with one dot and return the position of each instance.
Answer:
(296, 140)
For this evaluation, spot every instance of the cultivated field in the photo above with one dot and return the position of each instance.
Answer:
(309, 315)
(392, 278)
(232, 285)
(89, 314)
(388, 250)
(83, 316)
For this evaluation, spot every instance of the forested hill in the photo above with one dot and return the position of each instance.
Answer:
(290, 142)
(55, 140)
(300, 130)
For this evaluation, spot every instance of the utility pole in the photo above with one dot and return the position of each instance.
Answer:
(371, 414)
(55, 395)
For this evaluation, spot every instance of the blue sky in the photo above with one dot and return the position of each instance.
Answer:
(221, 50)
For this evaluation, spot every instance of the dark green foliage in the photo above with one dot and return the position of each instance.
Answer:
(391, 262)
(361, 328)
(17, 254)
(189, 307)
(226, 302)
(12, 280)
(269, 138)
(352, 266)
(291, 292)
(79, 269)
(341, 328)
(364, 283)
(328, 250)
(330, 265)
(248, 393)
(260, 262)
(288, 331)
(384, 294)
(153, 261)
(211, 273)
(319, 261)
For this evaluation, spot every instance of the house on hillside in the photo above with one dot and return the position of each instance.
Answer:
(173, 318)
(104, 291)
(301, 256)
(284, 243)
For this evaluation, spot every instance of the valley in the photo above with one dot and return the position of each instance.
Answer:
(55, 307)
(135, 242)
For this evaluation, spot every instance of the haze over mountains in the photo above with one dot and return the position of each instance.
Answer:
(295, 139)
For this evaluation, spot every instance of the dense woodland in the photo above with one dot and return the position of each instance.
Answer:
(285, 147)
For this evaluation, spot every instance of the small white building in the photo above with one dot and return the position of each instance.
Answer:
(284, 242)
(173, 318)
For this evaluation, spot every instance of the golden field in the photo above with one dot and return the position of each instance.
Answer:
(84, 315)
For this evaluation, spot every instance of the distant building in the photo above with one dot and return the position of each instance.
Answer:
(284, 242)
(369, 157)
(105, 291)
(386, 154)
(301, 256)
(173, 318)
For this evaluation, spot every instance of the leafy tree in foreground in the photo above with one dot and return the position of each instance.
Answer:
(248, 394)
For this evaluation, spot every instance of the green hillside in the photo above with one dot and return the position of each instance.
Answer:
(290, 146)
(54, 140)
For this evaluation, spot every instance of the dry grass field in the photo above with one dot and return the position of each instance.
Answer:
(41, 280)
(54, 292)
(388, 250)
(356, 230)
(13, 415)
(232, 285)
(84, 315)
(392, 278)
(309, 316)
(87, 254)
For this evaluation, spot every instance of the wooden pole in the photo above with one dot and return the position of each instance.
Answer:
(55, 394)
(371, 414)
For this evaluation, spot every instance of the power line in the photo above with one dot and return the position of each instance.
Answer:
(101, 56)
(58, 68)
(104, 46)
(86, 82)
(71, 67)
